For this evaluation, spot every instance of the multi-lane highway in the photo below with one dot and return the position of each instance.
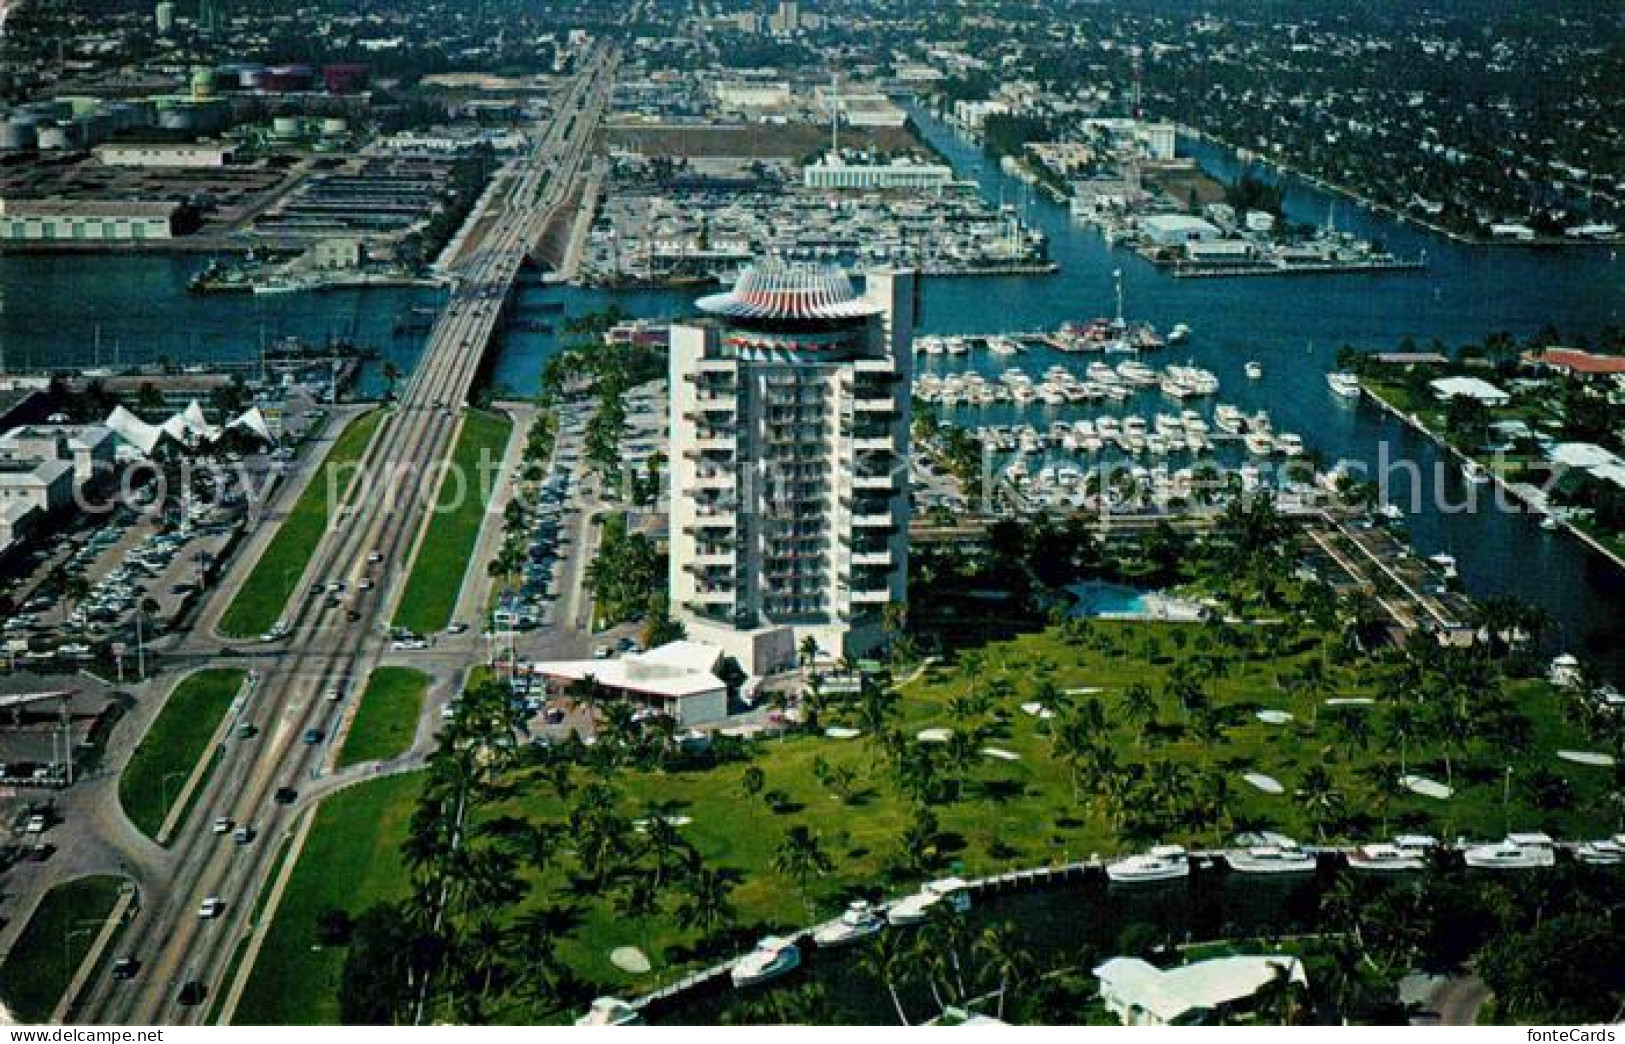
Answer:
(263, 781)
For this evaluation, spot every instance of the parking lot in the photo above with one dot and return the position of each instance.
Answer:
(116, 579)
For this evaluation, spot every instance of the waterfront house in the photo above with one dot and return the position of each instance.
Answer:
(1141, 994)
(1446, 388)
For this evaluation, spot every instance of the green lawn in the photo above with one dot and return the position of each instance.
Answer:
(264, 596)
(388, 717)
(437, 573)
(170, 750)
(53, 944)
(350, 861)
(1039, 809)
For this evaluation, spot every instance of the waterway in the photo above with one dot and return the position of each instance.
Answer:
(1073, 925)
(51, 309)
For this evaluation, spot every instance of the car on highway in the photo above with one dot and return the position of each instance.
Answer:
(191, 994)
(285, 795)
(375, 557)
(335, 692)
(313, 737)
(457, 627)
(124, 968)
(211, 907)
(223, 825)
(36, 824)
(243, 835)
(408, 644)
(277, 633)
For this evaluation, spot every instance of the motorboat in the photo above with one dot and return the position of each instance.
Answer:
(915, 908)
(1253, 370)
(1282, 857)
(1179, 334)
(1162, 863)
(1474, 473)
(1446, 564)
(857, 923)
(1607, 852)
(772, 958)
(1345, 384)
(1290, 444)
(1259, 444)
(610, 1011)
(1386, 858)
(1228, 418)
(1517, 852)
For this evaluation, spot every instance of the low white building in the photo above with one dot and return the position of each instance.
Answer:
(1141, 994)
(44, 485)
(1446, 388)
(678, 679)
(165, 154)
(834, 172)
(1172, 230)
(88, 447)
(89, 221)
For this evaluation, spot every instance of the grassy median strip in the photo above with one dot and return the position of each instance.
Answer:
(264, 595)
(170, 750)
(351, 860)
(437, 573)
(53, 944)
(387, 719)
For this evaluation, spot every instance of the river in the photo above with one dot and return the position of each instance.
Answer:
(51, 308)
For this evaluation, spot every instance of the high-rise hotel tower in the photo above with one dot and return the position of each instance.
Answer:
(789, 463)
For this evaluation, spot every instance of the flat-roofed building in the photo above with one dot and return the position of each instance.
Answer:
(60, 221)
(165, 154)
(46, 485)
(834, 172)
(88, 447)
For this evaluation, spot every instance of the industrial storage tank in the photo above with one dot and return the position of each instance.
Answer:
(18, 133)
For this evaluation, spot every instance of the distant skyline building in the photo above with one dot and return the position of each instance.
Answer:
(789, 463)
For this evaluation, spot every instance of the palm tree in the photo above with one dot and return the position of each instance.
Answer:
(808, 652)
(1140, 708)
(1005, 959)
(887, 961)
(1323, 801)
(801, 858)
(705, 905)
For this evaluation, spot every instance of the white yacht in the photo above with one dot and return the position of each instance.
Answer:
(1253, 371)
(912, 909)
(1290, 444)
(858, 922)
(772, 958)
(1282, 857)
(1517, 852)
(1227, 417)
(1607, 852)
(1473, 473)
(1446, 564)
(1345, 384)
(1259, 444)
(1386, 858)
(1162, 863)
(1179, 334)
(610, 1011)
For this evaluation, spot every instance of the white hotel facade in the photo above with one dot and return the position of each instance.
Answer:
(789, 463)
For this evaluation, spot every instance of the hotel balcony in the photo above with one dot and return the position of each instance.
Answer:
(874, 558)
(873, 443)
(870, 596)
(883, 521)
(716, 480)
(881, 483)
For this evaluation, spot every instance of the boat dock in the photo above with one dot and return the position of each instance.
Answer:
(1190, 270)
(1092, 868)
